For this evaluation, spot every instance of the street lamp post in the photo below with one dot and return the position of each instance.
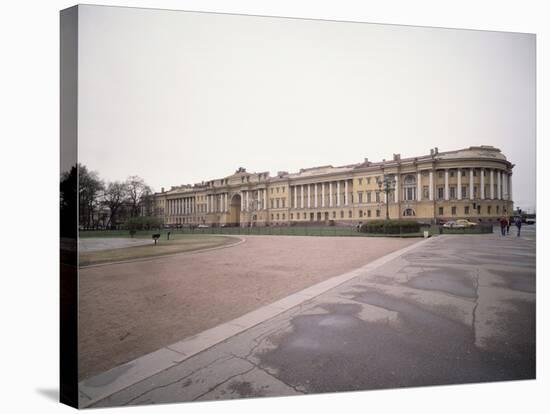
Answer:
(387, 186)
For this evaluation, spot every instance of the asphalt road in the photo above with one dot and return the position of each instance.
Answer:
(457, 309)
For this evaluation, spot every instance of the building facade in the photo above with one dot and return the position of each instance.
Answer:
(473, 183)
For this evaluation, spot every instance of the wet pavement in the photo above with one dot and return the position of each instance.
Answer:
(456, 309)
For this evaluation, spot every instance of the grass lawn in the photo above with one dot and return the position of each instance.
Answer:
(177, 244)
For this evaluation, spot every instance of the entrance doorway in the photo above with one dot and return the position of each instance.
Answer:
(235, 210)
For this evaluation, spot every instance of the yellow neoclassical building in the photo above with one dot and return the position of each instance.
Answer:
(473, 183)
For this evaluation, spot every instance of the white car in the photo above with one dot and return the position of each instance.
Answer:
(203, 226)
(450, 224)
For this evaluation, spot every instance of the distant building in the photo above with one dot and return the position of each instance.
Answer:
(473, 183)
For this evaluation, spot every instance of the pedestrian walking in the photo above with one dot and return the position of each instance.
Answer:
(518, 224)
(503, 222)
(508, 222)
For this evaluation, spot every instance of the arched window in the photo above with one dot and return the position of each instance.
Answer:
(409, 188)
(409, 212)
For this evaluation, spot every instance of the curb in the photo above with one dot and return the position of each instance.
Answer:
(103, 385)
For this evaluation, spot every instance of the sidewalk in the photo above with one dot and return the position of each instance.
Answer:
(452, 309)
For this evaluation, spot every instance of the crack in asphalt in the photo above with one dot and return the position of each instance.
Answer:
(258, 366)
(227, 358)
(224, 381)
(476, 285)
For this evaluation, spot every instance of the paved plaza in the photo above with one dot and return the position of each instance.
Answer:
(130, 309)
(108, 243)
(449, 310)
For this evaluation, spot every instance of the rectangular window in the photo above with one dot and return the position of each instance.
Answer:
(360, 213)
(464, 191)
(426, 192)
(368, 196)
(277, 216)
(475, 191)
(440, 193)
(440, 174)
(452, 190)
(377, 197)
(452, 174)
(453, 210)
(498, 208)
(341, 213)
(463, 173)
(272, 203)
(377, 213)
(305, 216)
(360, 196)
(283, 201)
(291, 216)
(350, 214)
(277, 201)
(440, 211)
(475, 173)
(334, 214)
(467, 210)
(488, 209)
(368, 213)
(283, 216)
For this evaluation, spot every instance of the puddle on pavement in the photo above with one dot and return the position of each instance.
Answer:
(338, 351)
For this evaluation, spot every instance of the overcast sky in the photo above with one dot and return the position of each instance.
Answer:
(178, 97)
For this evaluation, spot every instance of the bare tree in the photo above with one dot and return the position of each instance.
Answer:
(137, 191)
(90, 187)
(114, 197)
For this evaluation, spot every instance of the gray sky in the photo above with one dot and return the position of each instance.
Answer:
(179, 97)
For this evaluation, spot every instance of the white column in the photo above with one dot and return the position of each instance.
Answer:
(330, 202)
(338, 193)
(459, 184)
(295, 197)
(418, 186)
(309, 196)
(396, 192)
(482, 183)
(471, 183)
(346, 196)
(446, 184)
(431, 185)
(499, 186)
(505, 186)
(491, 185)
(302, 196)
(510, 197)
(247, 206)
(265, 198)
(315, 195)
(242, 200)
(322, 194)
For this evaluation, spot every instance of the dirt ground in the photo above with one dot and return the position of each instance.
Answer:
(130, 309)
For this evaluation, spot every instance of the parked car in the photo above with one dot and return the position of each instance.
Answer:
(530, 221)
(465, 223)
(203, 226)
(450, 224)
